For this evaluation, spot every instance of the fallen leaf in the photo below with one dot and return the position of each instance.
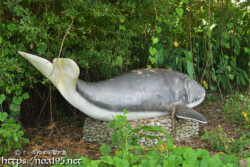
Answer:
(31, 45)
(66, 141)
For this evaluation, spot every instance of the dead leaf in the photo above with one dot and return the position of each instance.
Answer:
(81, 141)
(66, 141)
(31, 45)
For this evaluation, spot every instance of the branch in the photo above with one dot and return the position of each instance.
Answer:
(62, 46)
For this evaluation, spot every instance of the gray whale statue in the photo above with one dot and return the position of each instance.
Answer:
(145, 92)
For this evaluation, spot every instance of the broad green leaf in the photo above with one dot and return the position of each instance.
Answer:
(122, 18)
(26, 95)
(158, 29)
(111, 124)
(215, 161)
(226, 44)
(159, 58)
(154, 40)
(219, 71)
(122, 27)
(246, 50)
(152, 51)
(217, 42)
(202, 153)
(1, 39)
(2, 98)
(3, 116)
(225, 35)
(152, 161)
(212, 88)
(190, 69)
(242, 79)
(229, 68)
(19, 92)
(5, 133)
(188, 55)
(93, 164)
(226, 57)
(119, 61)
(15, 137)
(119, 124)
(245, 75)
(190, 157)
(229, 25)
(232, 159)
(125, 131)
(170, 144)
(124, 163)
(231, 76)
(179, 28)
(179, 12)
(11, 27)
(11, 120)
(224, 82)
(1, 83)
(25, 140)
(204, 162)
(17, 100)
(15, 107)
(105, 149)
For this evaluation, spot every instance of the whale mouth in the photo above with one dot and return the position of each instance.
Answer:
(196, 102)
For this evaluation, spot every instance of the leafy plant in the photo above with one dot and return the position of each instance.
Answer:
(237, 109)
(11, 135)
(219, 140)
(130, 153)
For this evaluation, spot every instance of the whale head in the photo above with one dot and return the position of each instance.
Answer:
(195, 93)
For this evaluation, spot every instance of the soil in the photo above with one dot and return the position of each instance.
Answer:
(66, 138)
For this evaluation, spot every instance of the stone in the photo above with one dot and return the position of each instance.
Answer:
(98, 131)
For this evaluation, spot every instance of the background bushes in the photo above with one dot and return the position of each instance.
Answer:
(209, 40)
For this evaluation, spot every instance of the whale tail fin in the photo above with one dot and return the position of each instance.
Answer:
(62, 72)
(184, 112)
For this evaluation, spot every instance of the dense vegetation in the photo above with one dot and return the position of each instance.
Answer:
(130, 153)
(209, 40)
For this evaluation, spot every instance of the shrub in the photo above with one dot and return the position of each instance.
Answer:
(237, 109)
(130, 153)
(11, 135)
(220, 141)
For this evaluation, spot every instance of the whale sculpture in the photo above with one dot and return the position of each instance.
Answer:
(145, 92)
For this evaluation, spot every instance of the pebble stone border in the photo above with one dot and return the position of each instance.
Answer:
(98, 131)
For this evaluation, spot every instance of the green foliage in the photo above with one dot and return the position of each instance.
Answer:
(11, 135)
(220, 141)
(11, 98)
(109, 37)
(237, 109)
(130, 153)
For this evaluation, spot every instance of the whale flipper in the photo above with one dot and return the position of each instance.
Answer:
(184, 112)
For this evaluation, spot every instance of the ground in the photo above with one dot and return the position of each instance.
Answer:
(62, 136)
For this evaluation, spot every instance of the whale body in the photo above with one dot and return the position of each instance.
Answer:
(144, 92)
